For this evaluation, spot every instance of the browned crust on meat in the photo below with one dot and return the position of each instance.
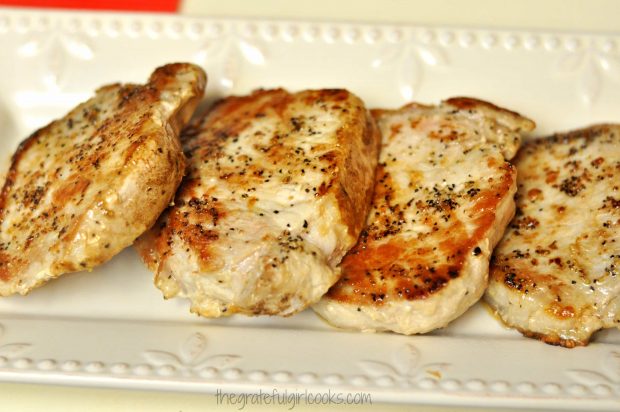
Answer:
(378, 113)
(15, 159)
(230, 116)
(540, 265)
(469, 103)
(515, 120)
(153, 161)
(226, 119)
(349, 164)
(346, 165)
(466, 103)
(357, 172)
(588, 134)
(524, 279)
(553, 339)
(388, 264)
(398, 270)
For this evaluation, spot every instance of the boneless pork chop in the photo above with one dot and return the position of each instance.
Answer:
(555, 275)
(443, 196)
(277, 192)
(84, 187)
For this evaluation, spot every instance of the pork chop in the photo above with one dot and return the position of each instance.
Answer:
(277, 191)
(555, 275)
(443, 196)
(84, 187)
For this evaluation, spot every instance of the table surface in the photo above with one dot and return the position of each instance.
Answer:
(579, 15)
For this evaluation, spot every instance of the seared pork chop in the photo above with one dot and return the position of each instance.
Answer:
(84, 187)
(555, 276)
(277, 191)
(443, 196)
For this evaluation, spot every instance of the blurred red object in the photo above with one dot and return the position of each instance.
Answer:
(125, 5)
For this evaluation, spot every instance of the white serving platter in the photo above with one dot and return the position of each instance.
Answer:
(111, 328)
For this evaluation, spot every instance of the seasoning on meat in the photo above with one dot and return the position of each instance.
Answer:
(443, 196)
(557, 280)
(84, 187)
(277, 190)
